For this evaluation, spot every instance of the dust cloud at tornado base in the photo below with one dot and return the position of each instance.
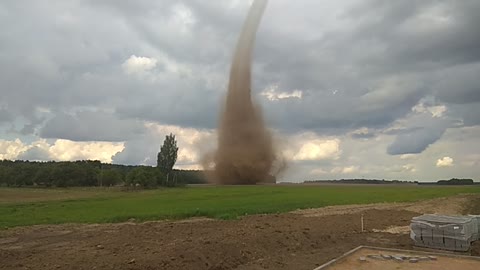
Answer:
(245, 151)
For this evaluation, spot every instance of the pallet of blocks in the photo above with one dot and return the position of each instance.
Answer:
(453, 233)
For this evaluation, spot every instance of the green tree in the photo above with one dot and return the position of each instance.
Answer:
(167, 156)
(6, 176)
(110, 177)
(146, 177)
(43, 176)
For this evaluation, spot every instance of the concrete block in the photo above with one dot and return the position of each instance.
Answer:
(475, 237)
(398, 259)
(462, 245)
(438, 237)
(449, 243)
(427, 233)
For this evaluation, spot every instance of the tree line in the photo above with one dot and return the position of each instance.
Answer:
(362, 181)
(456, 181)
(453, 181)
(85, 173)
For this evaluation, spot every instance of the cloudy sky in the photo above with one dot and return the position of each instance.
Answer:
(354, 88)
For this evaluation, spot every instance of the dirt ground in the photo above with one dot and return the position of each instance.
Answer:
(302, 239)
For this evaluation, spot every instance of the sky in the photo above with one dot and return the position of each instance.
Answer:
(350, 89)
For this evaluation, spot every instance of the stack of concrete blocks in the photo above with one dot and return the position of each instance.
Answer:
(444, 232)
(476, 236)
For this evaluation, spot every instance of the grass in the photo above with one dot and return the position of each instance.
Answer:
(102, 205)
(22, 195)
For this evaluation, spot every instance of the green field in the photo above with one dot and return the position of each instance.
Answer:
(19, 207)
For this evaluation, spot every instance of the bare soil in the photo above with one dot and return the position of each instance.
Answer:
(297, 240)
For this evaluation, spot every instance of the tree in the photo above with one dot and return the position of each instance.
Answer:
(167, 156)
(43, 176)
(147, 177)
(110, 177)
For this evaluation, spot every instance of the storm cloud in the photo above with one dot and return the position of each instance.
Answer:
(401, 77)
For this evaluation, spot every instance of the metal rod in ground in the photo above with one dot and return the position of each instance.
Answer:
(361, 219)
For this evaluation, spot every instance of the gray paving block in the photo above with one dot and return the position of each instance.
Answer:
(444, 232)
(449, 243)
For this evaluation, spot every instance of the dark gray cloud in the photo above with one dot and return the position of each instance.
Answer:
(458, 85)
(331, 111)
(414, 142)
(468, 113)
(91, 126)
(418, 34)
(5, 115)
(367, 135)
(421, 131)
(360, 64)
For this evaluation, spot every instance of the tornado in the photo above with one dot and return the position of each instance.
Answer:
(245, 152)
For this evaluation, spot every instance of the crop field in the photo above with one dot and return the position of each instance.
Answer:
(20, 207)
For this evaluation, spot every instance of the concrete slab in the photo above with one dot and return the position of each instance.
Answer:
(407, 259)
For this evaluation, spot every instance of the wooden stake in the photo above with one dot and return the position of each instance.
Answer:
(361, 220)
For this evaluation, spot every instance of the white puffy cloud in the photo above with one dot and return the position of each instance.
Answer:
(345, 170)
(138, 64)
(362, 133)
(318, 150)
(436, 111)
(11, 149)
(70, 150)
(409, 168)
(408, 156)
(59, 150)
(272, 93)
(406, 169)
(195, 143)
(444, 162)
(310, 147)
(192, 143)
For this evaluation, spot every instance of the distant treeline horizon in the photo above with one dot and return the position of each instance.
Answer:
(83, 173)
(452, 181)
